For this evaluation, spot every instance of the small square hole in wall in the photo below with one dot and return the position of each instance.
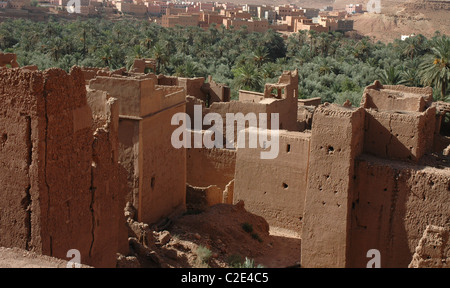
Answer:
(285, 186)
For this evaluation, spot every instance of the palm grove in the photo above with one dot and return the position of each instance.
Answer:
(330, 65)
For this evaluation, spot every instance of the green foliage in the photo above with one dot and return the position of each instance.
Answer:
(330, 65)
(435, 68)
(234, 260)
(248, 263)
(203, 254)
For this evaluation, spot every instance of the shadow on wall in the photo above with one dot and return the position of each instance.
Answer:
(381, 142)
(393, 205)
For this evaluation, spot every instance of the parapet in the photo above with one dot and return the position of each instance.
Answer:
(208, 92)
(396, 97)
(310, 102)
(400, 121)
(139, 96)
(287, 86)
(8, 59)
(399, 135)
(144, 66)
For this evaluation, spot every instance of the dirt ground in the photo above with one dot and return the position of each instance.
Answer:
(221, 237)
(17, 258)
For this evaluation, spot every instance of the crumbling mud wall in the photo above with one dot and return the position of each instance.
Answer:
(393, 204)
(396, 98)
(162, 167)
(8, 59)
(336, 141)
(144, 66)
(48, 154)
(400, 135)
(22, 147)
(207, 167)
(433, 250)
(156, 170)
(109, 178)
(275, 189)
(283, 104)
(305, 112)
(209, 92)
(400, 122)
(442, 131)
(382, 188)
(200, 198)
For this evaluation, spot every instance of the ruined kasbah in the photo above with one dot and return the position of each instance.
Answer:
(129, 168)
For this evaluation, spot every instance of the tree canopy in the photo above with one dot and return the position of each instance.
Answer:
(331, 66)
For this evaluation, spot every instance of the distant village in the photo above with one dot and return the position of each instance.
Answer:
(170, 14)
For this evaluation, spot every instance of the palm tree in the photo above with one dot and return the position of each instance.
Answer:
(410, 75)
(260, 56)
(138, 52)
(390, 76)
(160, 56)
(248, 77)
(301, 37)
(105, 54)
(435, 69)
(413, 46)
(188, 70)
(312, 37)
(324, 42)
(54, 48)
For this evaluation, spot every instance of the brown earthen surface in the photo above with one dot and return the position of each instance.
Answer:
(17, 258)
(275, 189)
(336, 141)
(48, 204)
(392, 206)
(433, 250)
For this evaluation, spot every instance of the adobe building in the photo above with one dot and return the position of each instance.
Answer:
(218, 167)
(354, 8)
(74, 148)
(59, 172)
(372, 177)
(185, 20)
(156, 170)
(252, 25)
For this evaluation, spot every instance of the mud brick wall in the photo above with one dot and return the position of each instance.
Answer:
(275, 189)
(48, 151)
(336, 141)
(22, 147)
(393, 204)
(207, 167)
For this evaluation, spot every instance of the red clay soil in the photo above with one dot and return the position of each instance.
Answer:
(220, 230)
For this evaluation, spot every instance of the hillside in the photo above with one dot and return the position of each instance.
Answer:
(399, 17)
(412, 17)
